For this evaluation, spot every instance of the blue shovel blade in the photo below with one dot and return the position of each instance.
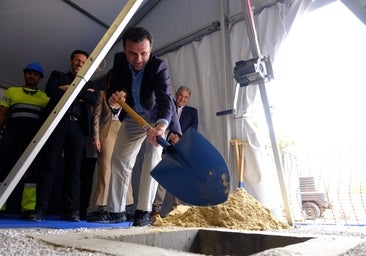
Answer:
(194, 171)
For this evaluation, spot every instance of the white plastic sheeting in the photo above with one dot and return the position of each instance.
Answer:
(198, 65)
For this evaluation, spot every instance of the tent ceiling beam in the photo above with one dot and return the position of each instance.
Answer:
(86, 13)
(210, 28)
(186, 39)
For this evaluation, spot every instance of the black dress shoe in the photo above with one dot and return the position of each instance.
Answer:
(98, 217)
(73, 216)
(25, 215)
(106, 217)
(38, 215)
(117, 217)
(141, 218)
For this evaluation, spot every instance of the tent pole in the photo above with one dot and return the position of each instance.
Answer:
(224, 67)
(254, 45)
(95, 58)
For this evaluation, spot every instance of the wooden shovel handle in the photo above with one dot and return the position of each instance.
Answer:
(142, 122)
(237, 158)
(239, 147)
(241, 169)
(132, 113)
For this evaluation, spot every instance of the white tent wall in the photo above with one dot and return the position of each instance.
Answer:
(199, 65)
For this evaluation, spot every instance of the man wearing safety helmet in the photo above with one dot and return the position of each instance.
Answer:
(21, 110)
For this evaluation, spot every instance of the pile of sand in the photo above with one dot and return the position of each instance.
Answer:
(240, 211)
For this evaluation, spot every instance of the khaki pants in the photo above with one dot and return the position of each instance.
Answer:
(130, 138)
(102, 173)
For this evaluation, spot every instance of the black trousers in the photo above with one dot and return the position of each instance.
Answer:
(87, 173)
(17, 135)
(68, 139)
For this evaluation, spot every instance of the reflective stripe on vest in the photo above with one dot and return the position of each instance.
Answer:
(25, 110)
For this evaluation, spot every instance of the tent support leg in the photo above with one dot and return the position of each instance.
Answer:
(254, 45)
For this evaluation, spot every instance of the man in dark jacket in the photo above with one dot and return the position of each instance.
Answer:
(69, 138)
(143, 81)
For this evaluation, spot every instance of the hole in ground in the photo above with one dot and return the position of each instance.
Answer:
(212, 242)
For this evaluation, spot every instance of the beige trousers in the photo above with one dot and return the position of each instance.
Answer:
(102, 173)
(129, 140)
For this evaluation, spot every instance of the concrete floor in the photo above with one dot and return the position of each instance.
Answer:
(190, 241)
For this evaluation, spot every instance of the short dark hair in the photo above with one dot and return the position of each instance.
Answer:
(136, 35)
(78, 52)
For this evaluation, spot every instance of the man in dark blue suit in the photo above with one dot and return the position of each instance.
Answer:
(142, 80)
(188, 117)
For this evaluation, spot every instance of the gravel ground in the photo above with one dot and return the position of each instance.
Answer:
(17, 242)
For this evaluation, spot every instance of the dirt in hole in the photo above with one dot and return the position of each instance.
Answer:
(240, 211)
